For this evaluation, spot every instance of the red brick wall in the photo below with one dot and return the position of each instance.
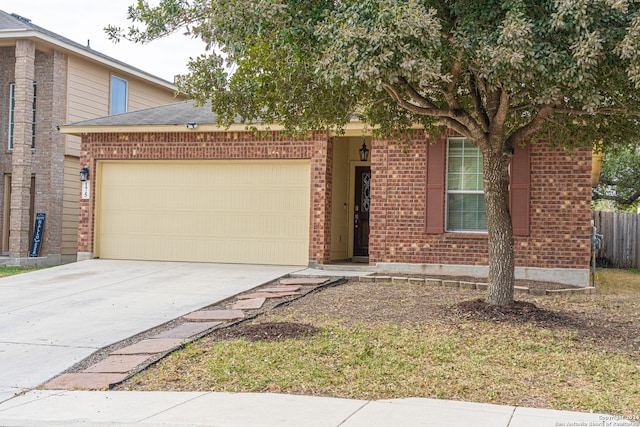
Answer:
(211, 146)
(559, 213)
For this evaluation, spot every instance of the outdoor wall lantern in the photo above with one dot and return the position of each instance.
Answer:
(364, 153)
(84, 174)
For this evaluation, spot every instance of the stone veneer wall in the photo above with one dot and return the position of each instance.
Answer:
(46, 161)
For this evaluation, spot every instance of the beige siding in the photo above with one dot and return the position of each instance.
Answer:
(143, 95)
(70, 206)
(88, 87)
(339, 200)
(89, 94)
(206, 211)
(88, 90)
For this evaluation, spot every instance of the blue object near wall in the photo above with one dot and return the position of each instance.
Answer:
(38, 233)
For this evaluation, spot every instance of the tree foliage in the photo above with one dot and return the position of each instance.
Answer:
(312, 64)
(620, 177)
(498, 72)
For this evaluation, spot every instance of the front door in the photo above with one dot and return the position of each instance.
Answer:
(361, 212)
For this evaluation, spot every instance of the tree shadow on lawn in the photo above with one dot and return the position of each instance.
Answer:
(605, 320)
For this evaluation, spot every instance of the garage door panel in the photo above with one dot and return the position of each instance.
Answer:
(224, 250)
(275, 227)
(240, 212)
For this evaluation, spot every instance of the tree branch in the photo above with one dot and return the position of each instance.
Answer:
(608, 181)
(425, 109)
(481, 113)
(447, 117)
(414, 94)
(493, 102)
(459, 118)
(457, 126)
(451, 87)
(623, 201)
(500, 114)
(531, 128)
(577, 112)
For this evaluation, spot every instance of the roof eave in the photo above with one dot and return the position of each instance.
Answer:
(354, 128)
(80, 130)
(21, 34)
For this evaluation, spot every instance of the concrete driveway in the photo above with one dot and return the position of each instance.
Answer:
(53, 318)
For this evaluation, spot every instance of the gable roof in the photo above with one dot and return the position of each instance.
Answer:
(177, 113)
(174, 117)
(14, 26)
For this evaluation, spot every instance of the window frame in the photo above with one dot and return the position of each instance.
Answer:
(447, 223)
(112, 95)
(12, 107)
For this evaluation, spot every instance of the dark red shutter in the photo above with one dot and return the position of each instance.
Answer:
(435, 187)
(520, 186)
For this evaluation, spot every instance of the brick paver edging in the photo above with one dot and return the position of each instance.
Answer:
(471, 285)
(159, 342)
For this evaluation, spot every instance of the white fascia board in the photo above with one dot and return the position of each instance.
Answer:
(85, 130)
(355, 128)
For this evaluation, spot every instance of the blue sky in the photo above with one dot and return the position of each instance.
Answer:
(82, 20)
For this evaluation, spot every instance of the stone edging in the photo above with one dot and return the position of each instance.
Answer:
(473, 285)
(139, 352)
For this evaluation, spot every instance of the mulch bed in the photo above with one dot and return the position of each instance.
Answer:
(269, 331)
(518, 312)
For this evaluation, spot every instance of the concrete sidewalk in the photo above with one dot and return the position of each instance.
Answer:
(122, 408)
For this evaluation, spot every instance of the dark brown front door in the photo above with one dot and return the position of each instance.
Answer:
(361, 212)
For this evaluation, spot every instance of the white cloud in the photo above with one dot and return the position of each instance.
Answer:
(82, 20)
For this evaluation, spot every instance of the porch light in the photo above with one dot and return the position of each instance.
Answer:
(364, 153)
(84, 174)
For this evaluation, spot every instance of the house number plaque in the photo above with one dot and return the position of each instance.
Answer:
(86, 192)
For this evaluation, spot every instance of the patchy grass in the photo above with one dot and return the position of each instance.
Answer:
(383, 341)
(615, 281)
(13, 270)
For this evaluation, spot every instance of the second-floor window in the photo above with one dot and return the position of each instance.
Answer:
(118, 95)
(12, 107)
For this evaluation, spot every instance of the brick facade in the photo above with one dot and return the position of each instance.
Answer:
(24, 65)
(559, 211)
(22, 158)
(215, 146)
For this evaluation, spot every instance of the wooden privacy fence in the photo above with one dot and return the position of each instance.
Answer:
(620, 239)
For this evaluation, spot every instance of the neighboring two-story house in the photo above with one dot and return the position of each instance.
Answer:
(47, 80)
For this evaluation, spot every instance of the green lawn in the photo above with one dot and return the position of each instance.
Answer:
(579, 366)
(13, 270)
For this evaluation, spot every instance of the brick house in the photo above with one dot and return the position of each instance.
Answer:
(167, 183)
(47, 80)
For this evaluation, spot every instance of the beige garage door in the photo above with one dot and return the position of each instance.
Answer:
(215, 211)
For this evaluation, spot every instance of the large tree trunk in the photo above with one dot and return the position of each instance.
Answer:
(499, 227)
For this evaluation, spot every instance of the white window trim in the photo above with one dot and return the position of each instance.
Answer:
(447, 192)
(126, 94)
